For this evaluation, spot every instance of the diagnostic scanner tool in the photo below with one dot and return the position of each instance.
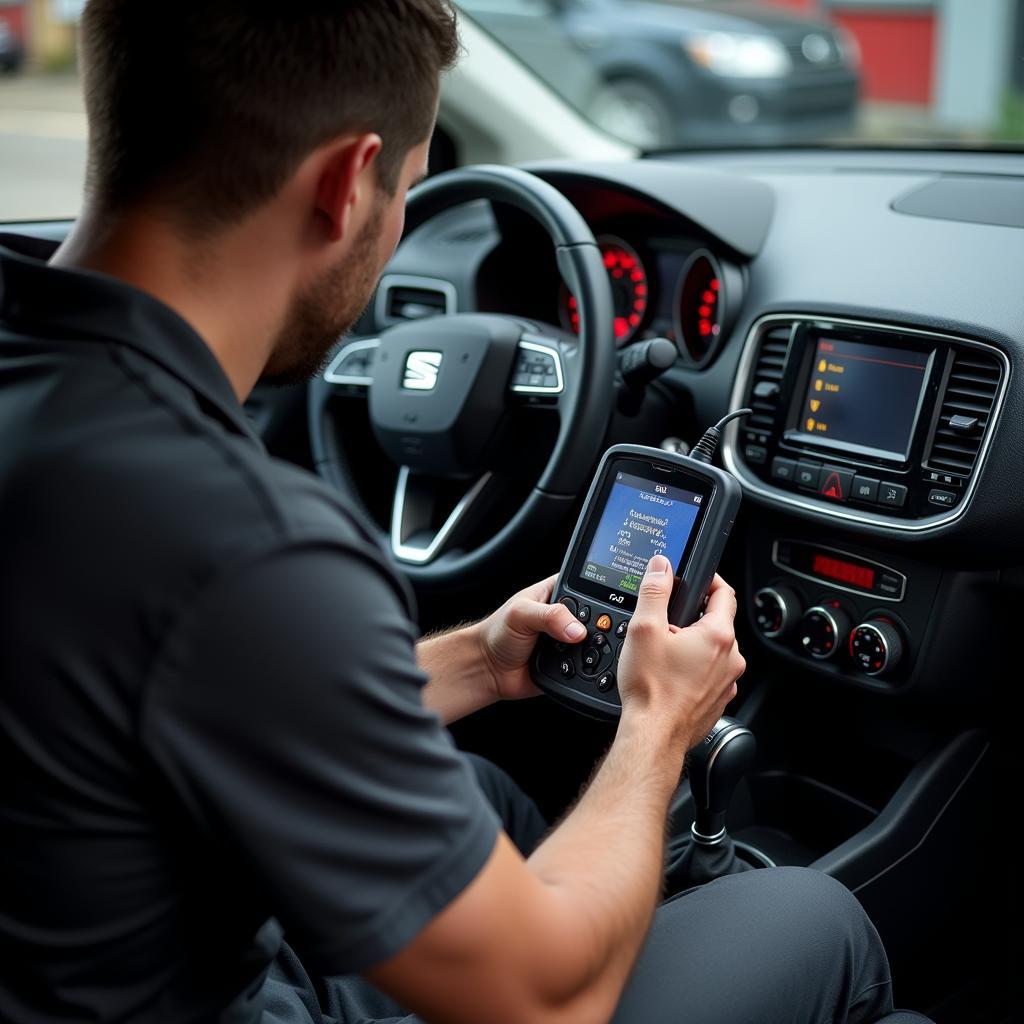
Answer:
(643, 502)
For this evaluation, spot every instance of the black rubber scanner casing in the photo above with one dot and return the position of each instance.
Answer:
(693, 582)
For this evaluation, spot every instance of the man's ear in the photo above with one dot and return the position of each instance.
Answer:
(344, 181)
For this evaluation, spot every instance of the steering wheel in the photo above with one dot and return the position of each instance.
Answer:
(440, 390)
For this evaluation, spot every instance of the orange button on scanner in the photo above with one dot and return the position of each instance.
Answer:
(604, 623)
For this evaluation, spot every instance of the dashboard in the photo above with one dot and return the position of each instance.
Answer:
(874, 322)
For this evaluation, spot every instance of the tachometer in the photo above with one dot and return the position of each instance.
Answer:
(630, 291)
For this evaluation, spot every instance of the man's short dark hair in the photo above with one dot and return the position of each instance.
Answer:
(209, 106)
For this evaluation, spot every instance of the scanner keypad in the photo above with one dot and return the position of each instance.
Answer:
(591, 664)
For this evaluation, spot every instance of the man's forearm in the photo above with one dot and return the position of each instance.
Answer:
(460, 681)
(607, 856)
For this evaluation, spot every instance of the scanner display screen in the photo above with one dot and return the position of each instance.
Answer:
(864, 398)
(641, 518)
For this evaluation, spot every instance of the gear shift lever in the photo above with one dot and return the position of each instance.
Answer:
(716, 766)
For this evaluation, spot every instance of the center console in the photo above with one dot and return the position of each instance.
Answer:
(861, 433)
(865, 422)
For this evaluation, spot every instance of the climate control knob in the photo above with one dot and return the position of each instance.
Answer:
(823, 630)
(776, 611)
(876, 647)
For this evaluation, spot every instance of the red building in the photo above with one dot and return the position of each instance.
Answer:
(13, 14)
(955, 60)
(898, 42)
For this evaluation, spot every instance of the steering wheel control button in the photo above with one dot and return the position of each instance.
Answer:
(584, 614)
(604, 623)
(570, 604)
(876, 647)
(807, 474)
(566, 668)
(822, 631)
(893, 495)
(537, 370)
(620, 629)
(783, 470)
(864, 489)
(605, 681)
(590, 659)
(944, 499)
(835, 483)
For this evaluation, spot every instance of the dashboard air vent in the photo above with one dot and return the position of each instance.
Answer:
(967, 402)
(767, 377)
(413, 298)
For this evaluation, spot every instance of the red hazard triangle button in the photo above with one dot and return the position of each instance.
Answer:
(835, 483)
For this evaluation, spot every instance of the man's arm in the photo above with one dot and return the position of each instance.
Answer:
(553, 939)
(475, 665)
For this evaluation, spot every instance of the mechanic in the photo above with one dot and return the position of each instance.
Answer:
(216, 728)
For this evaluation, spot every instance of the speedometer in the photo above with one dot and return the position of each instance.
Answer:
(630, 293)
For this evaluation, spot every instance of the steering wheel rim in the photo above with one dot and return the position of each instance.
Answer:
(584, 406)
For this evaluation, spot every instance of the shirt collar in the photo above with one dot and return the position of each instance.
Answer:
(40, 298)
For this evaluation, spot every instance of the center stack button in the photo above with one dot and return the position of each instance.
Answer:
(808, 474)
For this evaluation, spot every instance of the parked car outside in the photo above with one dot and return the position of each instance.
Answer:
(12, 53)
(671, 73)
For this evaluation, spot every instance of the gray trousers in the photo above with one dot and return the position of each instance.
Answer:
(785, 945)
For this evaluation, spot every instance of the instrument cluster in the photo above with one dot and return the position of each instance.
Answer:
(665, 287)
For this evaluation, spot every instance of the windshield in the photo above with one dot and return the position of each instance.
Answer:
(679, 74)
(659, 74)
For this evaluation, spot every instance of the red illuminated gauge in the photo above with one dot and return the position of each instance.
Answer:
(700, 305)
(629, 291)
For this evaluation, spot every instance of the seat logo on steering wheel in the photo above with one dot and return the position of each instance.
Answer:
(421, 370)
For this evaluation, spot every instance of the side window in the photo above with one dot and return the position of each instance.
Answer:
(42, 119)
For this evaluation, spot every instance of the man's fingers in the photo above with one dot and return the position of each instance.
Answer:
(531, 617)
(655, 590)
(540, 591)
(721, 600)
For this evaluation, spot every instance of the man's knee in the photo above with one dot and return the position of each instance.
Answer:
(813, 899)
(802, 907)
(790, 939)
(803, 916)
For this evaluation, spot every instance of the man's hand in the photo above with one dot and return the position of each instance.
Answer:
(684, 676)
(476, 665)
(508, 636)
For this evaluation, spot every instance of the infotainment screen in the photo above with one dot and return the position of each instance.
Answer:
(642, 517)
(863, 397)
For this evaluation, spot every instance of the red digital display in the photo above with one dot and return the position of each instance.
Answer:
(843, 572)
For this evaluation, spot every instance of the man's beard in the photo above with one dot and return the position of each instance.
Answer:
(327, 310)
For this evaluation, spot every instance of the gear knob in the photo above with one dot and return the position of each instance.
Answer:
(715, 767)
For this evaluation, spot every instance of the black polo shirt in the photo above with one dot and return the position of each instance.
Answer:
(211, 724)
